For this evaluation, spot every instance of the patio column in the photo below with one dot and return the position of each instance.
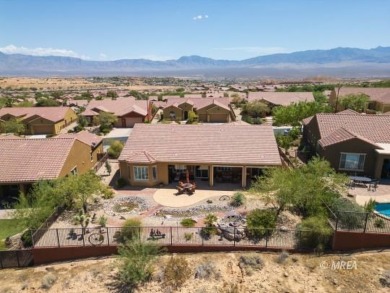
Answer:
(243, 176)
(211, 175)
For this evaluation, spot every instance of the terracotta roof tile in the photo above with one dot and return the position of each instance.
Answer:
(83, 136)
(53, 114)
(281, 98)
(341, 135)
(201, 144)
(29, 160)
(118, 107)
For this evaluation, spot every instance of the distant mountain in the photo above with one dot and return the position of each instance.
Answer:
(336, 59)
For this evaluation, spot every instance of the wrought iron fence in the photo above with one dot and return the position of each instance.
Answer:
(168, 236)
(15, 258)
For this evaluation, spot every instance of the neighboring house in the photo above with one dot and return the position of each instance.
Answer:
(273, 99)
(40, 120)
(161, 153)
(353, 143)
(207, 109)
(379, 97)
(128, 110)
(25, 161)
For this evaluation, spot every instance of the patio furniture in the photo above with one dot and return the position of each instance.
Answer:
(373, 185)
(359, 180)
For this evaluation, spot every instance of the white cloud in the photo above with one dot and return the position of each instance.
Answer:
(200, 17)
(154, 57)
(12, 49)
(102, 56)
(256, 50)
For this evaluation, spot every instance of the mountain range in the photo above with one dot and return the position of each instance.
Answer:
(338, 61)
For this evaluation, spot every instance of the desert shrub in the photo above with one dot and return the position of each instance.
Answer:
(249, 263)
(103, 221)
(115, 149)
(122, 182)
(349, 214)
(260, 222)
(379, 223)
(176, 272)
(230, 288)
(282, 257)
(135, 263)
(314, 232)
(48, 281)
(188, 236)
(188, 223)
(129, 231)
(209, 228)
(238, 199)
(207, 270)
(385, 279)
(107, 193)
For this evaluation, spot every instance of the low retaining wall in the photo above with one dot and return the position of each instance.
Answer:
(343, 240)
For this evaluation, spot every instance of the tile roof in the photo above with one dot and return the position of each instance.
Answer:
(341, 135)
(202, 144)
(281, 98)
(374, 128)
(375, 94)
(29, 160)
(53, 114)
(83, 136)
(118, 107)
(348, 111)
(198, 103)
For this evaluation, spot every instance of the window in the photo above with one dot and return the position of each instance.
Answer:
(73, 171)
(172, 115)
(351, 161)
(91, 155)
(154, 173)
(141, 173)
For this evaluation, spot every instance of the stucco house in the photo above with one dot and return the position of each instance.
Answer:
(25, 161)
(353, 143)
(161, 153)
(273, 99)
(40, 120)
(379, 97)
(207, 109)
(128, 110)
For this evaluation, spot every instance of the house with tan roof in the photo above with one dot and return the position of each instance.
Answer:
(379, 97)
(161, 153)
(357, 144)
(128, 110)
(273, 99)
(40, 120)
(25, 161)
(207, 109)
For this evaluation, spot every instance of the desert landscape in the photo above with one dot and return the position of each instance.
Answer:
(362, 272)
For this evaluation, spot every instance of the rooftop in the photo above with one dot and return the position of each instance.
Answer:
(53, 114)
(375, 94)
(118, 107)
(281, 98)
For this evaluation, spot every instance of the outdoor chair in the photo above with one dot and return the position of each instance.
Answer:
(373, 186)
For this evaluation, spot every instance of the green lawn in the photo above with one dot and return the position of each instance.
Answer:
(8, 228)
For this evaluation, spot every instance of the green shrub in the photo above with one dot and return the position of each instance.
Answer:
(349, 214)
(260, 222)
(136, 263)
(188, 236)
(115, 149)
(176, 272)
(103, 221)
(188, 223)
(238, 199)
(129, 231)
(314, 232)
(27, 238)
(107, 193)
(122, 182)
(209, 229)
(379, 223)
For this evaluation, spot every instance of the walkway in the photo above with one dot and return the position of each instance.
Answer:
(363, 195)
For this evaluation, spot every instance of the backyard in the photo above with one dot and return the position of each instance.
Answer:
(9, 227)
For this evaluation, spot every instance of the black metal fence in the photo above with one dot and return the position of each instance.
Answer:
(37, 234)
(168, 236)
(363, 222)
(15, 258)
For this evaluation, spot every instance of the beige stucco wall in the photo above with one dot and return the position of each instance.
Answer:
(127, 172)
(178, 112)
(214, 113)
(79, 157)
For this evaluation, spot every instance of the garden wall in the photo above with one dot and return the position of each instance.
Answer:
(343, 240)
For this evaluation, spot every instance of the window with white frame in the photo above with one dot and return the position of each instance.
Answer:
(73, 171)
(141, 173)
(154, 173)
(352, 161)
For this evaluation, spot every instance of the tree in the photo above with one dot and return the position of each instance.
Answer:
(305, 189)
(112, 94)
(115, 149)
(47, 102)
(284, 141)
(314, 232)
(136, 261)
(106, 121)
(255, 109)
(108, 167)
(260, 222)
(357, 102)
(192, 117)
(12, 126)
(295, 113)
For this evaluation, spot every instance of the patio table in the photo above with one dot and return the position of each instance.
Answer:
(362, 179)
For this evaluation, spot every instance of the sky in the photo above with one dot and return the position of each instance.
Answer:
(169, 29)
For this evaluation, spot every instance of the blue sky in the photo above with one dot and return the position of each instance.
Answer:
(169, 29)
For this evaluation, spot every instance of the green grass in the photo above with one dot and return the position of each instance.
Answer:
(9, 227)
